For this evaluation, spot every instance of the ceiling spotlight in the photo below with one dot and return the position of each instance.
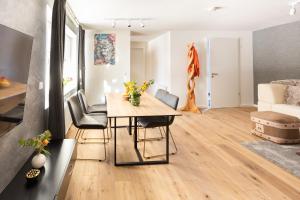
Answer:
(142, 25)
(292, 11)
(293, 5)
(214, 8)
(113, 24)
(129, 24)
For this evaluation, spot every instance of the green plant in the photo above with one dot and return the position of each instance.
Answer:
(38, 142)
(67, 80)
(133, 90)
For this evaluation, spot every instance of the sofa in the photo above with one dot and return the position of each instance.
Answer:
(280, 96)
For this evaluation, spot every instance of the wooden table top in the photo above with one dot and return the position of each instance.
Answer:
(13, 90)
(117, 106)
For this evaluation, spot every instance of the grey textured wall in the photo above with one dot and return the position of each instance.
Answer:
(276, 54)
(27, 16)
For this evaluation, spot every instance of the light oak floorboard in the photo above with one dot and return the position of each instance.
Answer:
(211, 164)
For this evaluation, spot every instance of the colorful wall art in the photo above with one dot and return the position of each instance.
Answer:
(104, 52)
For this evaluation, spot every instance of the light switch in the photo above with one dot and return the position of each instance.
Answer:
(41, 85)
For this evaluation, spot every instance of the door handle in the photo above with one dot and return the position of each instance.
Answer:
(214, 74)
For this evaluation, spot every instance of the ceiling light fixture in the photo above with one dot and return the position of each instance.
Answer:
(214, 8)
(293, 5)
(142, 25)
(130, 22)
(113, 24)
(292, 11)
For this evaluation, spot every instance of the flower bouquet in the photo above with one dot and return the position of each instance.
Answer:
(134, 92)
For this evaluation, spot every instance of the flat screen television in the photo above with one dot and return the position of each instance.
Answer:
(15, 56)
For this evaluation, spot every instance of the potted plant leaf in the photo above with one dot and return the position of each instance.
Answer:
(39, 144)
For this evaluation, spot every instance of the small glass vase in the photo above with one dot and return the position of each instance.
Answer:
(135, 101)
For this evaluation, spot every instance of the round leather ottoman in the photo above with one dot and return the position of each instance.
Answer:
(276, 127)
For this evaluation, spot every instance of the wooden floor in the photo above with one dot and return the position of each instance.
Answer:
(210, 164)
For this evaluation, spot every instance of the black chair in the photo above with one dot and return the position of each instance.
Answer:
(159, 121)
(97, 108)
(84, 121)
(160, 93)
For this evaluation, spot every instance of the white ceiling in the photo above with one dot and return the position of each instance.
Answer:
(184, 14)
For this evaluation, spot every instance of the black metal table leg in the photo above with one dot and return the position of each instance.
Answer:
(140, 158)
(130, 126)
(167, 143)
(135, 132)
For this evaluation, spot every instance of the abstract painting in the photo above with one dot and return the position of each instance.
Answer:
(104, 52)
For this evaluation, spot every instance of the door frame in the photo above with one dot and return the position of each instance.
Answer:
(209, 72)
(143, 47)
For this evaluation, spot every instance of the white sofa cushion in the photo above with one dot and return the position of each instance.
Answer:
(287, 109)
(272, 93)
(293, 95)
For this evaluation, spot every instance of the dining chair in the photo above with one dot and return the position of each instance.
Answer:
(159, 122)
(84, 121)
(160, 93)
(87, 109)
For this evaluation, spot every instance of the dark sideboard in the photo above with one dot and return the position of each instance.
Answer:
(54, 178)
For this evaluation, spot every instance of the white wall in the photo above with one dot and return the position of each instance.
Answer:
(158, 62)
(178, 44)
(101, 79)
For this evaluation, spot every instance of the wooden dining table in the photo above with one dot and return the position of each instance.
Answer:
(118, 107)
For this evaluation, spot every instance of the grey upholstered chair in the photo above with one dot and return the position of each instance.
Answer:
(84, 121)
(159, 121)
(160, 93)
(87, 109)
(97, 108)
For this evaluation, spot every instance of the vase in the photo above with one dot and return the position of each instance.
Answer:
(38, 161)
(135, 101)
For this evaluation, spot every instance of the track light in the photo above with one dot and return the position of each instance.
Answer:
(142, 25)
(293, 5)
(113, 24)
(214, 8)
(129, 22)
(292, 11)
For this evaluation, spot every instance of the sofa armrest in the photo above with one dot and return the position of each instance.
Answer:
(271, 93)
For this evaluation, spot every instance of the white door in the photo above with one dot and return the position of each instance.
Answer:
(223, 73)
(138, 65)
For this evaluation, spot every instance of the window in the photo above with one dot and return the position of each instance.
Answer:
(70, 59)
(48, 47)
(70, 62)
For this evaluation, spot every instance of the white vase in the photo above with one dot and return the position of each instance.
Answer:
(38, 161)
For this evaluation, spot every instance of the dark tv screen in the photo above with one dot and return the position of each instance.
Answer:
(15, 57)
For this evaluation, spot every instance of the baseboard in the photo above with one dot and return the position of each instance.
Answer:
(248, 105)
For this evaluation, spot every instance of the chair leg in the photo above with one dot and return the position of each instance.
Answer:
(160, 155)
(175, 146)
(104, 145)
(153, 138)
(144, 150)
(85, 140)
(97, 138)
